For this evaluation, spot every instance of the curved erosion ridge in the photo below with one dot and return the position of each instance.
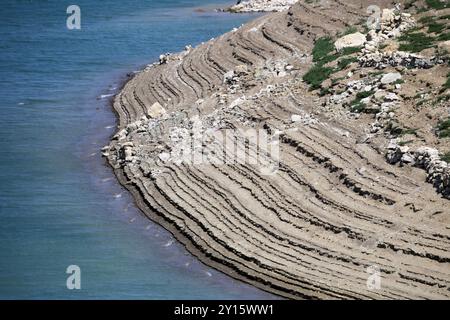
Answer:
(331, 217)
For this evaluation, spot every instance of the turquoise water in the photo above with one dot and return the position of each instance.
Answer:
(60, 205)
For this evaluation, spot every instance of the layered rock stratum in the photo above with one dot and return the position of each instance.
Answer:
(327, 218)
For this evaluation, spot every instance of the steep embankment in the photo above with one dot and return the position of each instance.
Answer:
(315, 226)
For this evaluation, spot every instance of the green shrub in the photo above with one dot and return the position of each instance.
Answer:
(446, 157)
(322, 48)
(445, 97)
(316, 75)
(345, 62)
(349, 50)
(415, 42)
(364, 94)
(349, 30)
(426, 20)
(323, 53)
(436, 27)
(438, 4)
(444, 36)
(324, 91)
(358, 107)
(444, 129)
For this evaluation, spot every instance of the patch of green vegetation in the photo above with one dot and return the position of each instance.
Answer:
(438, 4)
(426, 20)
(415, 41)
(444, 129)
(358, 107)
(349, 30)
(364, 94)
(323, 53)
(446, 157)
(349, 50)
(322, 49)
(435, 27)
(336, 80)
(399, 81)
(445, 97)
(422, 9)
(345, 62)
(376, 73)
(421, 102)
(324, 91)
(444, 36)
(406, 131)
(316, 75)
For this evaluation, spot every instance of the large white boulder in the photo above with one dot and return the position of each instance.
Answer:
(350, 40)
(390, 77)
(156, 110)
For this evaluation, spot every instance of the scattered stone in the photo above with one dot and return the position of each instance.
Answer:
(164, 156)
(381, 60)
(391, 97)
(388, 16)
(228, 76)
(423, 157)
(390, 77)
(305, 119)
(156, 110)
(163, 59)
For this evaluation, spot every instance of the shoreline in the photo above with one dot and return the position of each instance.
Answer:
(187, 242)
(159, 219)
(184, 80)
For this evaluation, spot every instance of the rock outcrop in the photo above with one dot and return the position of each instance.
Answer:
(314, 212)
(438, 171)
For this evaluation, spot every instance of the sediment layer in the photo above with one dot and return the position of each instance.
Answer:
(331, 215)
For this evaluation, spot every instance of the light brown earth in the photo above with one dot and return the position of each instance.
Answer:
(333, 209)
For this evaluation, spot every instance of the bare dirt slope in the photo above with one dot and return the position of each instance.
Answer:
(334, 207)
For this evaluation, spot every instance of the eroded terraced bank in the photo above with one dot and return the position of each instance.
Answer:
(317, 212)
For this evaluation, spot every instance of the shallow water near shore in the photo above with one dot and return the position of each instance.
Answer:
(60, 205)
